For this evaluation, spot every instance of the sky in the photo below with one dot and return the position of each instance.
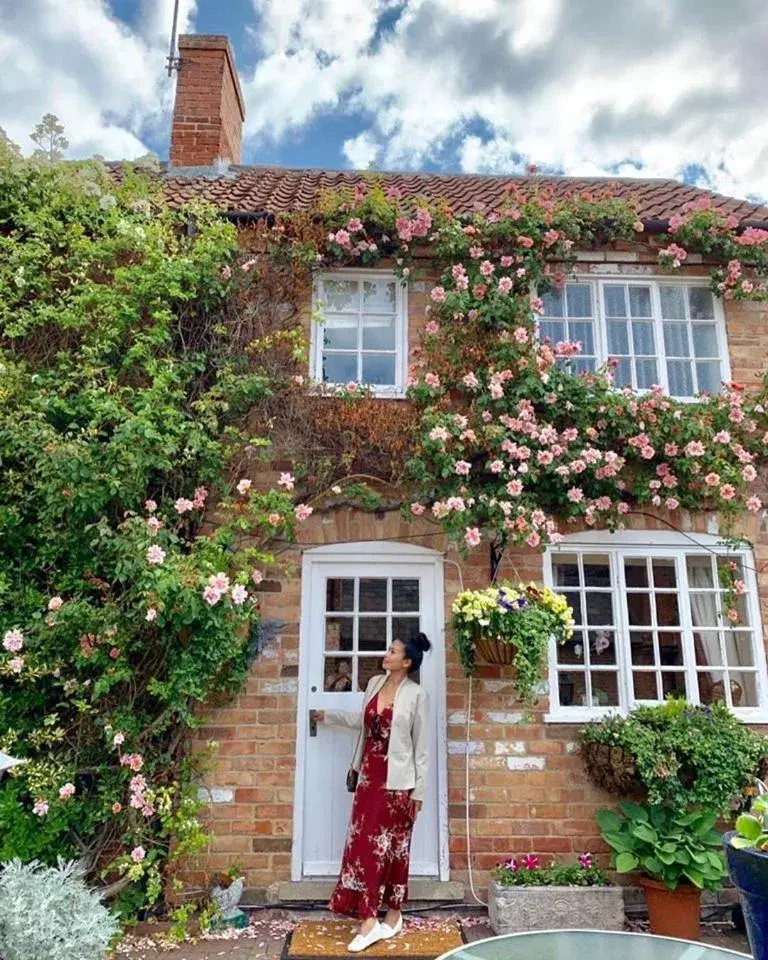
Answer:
(653, 88)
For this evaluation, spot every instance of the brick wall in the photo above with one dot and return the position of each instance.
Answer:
(528, 789)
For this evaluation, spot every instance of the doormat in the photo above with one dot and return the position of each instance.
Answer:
(328, 939)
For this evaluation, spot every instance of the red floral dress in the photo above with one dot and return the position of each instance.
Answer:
(374, 868)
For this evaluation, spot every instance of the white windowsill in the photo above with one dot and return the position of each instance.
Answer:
(579, 715)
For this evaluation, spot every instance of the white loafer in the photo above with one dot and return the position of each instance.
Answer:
(389, 932)
(360, 942)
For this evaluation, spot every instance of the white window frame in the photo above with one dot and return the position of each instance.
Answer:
(401, 327)
(654, 281)
(665, 544)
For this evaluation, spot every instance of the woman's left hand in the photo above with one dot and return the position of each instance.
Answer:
(416, 808)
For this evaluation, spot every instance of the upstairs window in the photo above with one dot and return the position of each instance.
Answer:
(360, 330)
(666, 333)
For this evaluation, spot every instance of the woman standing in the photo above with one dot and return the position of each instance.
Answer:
(391, 763)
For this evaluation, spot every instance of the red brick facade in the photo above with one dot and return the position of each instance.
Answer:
(209, 110)
(528, 789)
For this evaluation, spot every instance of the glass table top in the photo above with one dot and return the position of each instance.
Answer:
(587, 945)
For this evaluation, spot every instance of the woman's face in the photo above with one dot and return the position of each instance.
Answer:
(395, 659)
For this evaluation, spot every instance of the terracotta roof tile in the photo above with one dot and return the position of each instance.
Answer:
(280, 189)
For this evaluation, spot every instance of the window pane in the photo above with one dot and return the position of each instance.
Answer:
(566, 570)
(379, 296)
(644, 686)
(405, 628)
(708, 376)
(743, 689)
(739, 649)
(639, 609)
(672, 301)
(700, 572)
(706, 644)
(676, 340)
(704, 340)
(602, 647)
(572, 687)
(378, 333)
(405, 595)
(712, 687)
(671, 649)
(673, 683)
(373, 594)
(647, 374)
(618, 337)
(337, 675)
(680, 378)
(599, 609)
(641, 647)
(701, 303)
(667, 613)
(379, 369)
(574, 601)
(339, 367)
(572, 651)
(664, 576)
(553, 303)
(640, 301)
(704, 609)
(597, 572)
(622, 376)
(579, 299)
(340, 295)
(582, 365)
(340, 332)
(372, 634)
(583, 333)
(339, 633)
(555, 331)
(605, 689)
(615, 303)
(642, 339)
(636, 572)
(339, 594)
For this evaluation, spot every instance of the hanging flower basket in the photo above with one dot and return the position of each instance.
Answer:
(612, 768)
(510, 626)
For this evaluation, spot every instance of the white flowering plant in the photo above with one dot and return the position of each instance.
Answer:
(524, 617)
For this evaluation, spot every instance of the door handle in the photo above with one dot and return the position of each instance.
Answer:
(313, 723)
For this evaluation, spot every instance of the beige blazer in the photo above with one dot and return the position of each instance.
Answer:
(408, 753)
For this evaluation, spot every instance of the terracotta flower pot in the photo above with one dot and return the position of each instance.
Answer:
(673, 913)
(493, 650)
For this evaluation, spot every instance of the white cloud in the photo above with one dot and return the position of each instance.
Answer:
(106, 82)
(361, 151)
(578, 85)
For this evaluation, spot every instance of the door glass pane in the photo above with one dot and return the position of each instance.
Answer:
(367, 667)
(373, 594)
(337, 675)
(340, 296)
(676, 340)
(340, 332)
(372, 634)
(339, 633)
(378, 333)
(701, 303)
(615, 303)
(339, 594)
(405, 595)
(618, 337)
(640, 301)
(339, 367)
(672, 301)
(379, 296)
(379, 369)
(579, 299)
(704, 340)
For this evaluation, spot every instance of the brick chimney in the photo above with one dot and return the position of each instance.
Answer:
(209, 111)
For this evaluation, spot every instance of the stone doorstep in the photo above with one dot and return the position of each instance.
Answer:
(318, 890)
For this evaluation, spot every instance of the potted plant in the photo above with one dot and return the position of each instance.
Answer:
(510, 625)
(524, 895)
(678, 855)
(226, 893)
(746, 851)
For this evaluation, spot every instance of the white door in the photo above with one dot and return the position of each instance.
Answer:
(354, 604)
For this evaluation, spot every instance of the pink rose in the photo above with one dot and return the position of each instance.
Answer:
(472, 536)
(67, 791)
(138, 854)
(55, 603)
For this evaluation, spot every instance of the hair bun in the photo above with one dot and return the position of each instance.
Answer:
(423, 643)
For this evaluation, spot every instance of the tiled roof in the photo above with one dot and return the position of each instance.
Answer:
(280, 189)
